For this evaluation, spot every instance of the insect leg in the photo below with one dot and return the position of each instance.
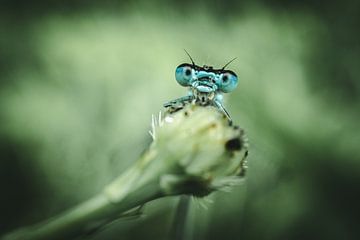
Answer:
(177, 104)
(218, 103)
(179, 101)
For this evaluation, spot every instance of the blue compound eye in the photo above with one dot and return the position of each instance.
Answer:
(228, 81)
(183, 74)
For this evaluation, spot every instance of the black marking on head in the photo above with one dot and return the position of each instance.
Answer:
(234, 144)
(185, 65)
(227, 71)
(186, 113)
(207, 68)
(204, 79)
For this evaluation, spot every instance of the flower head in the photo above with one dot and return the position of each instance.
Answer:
(208, 152)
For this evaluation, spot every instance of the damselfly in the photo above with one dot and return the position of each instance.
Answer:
(206, 85)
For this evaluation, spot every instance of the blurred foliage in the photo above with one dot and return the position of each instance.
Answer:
(80, 80)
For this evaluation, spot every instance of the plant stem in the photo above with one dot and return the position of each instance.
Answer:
(179, 230)
(121, 195)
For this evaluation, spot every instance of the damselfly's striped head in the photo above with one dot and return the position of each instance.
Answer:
(206, 79)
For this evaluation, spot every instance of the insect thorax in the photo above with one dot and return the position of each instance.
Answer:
(203, 98)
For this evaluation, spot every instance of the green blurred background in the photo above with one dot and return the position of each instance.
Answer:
(79, 81)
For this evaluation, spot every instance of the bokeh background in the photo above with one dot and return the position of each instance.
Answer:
(79, 81)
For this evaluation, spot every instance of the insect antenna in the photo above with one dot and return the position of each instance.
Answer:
(228, 63)
(192, 61)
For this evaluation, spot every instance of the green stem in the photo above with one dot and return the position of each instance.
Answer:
(179, 228)
(123, 194)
